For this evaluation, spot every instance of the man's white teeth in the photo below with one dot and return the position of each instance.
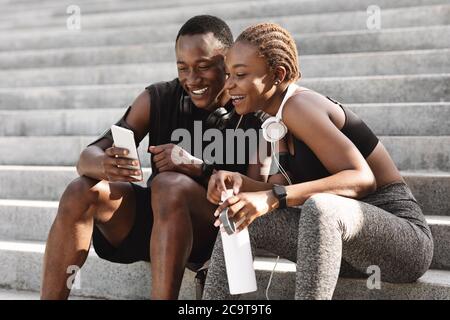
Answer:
(237, 97)
(199, 92)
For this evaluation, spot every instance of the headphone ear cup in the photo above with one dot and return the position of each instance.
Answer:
(225, 119)
(185, 105)
(273, 129)
(218, 118)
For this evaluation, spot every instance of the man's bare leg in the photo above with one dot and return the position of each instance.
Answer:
(182, 227)
(85, 201)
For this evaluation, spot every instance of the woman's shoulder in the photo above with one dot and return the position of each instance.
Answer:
(309, 112)
(305, 102)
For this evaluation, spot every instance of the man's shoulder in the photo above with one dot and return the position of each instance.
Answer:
(164, 87)
(165, 97)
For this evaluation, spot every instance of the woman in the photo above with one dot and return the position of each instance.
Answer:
(356, 210)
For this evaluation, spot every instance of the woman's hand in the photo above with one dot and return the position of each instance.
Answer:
(247, 206)
(221, 181)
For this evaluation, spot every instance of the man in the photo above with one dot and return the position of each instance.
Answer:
(169, 223)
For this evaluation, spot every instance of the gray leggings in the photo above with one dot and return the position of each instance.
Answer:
(333, 235)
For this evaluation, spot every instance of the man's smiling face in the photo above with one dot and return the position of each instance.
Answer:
(200, 63)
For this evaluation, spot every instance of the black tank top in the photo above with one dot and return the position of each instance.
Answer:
(166, 115)
(305, 166)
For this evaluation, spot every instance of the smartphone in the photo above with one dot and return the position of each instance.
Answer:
(124, 138)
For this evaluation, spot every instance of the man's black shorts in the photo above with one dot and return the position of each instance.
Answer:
(136, 246)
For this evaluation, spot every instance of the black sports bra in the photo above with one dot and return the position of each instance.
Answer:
(305, 166)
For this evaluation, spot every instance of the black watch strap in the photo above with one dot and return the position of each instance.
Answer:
(207, 170)
(280, 192)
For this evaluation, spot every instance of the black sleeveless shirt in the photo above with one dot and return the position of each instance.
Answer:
(166, 115)
(305, 166)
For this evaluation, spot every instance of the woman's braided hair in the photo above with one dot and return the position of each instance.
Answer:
(276, 45)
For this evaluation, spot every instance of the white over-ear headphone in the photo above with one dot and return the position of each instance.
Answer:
(273, 129)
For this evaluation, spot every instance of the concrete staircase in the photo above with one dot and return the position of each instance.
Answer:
(60, 88)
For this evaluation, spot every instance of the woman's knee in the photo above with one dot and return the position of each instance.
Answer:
(319, 206)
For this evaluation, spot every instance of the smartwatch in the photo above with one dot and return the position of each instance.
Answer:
(280, 192)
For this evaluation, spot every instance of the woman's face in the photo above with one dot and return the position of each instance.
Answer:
(250, 83)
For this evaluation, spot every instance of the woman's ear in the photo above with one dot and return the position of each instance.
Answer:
(280, 74)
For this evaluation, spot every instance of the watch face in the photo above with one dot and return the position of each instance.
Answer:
(280, 190)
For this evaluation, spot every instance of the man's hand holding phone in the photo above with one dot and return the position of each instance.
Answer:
(117, 167)
(121, 162)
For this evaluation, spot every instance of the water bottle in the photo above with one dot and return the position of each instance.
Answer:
(238, 257)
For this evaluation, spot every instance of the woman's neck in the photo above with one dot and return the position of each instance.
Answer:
(274, 103)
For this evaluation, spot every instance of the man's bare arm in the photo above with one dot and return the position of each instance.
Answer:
(99, 160)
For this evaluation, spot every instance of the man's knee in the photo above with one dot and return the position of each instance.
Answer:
(82, 189)
(78, 196)
(172, 184)
(170, 191)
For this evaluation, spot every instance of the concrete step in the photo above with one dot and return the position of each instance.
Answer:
(370, 41)
(50, 150)
(409, 119)
(58, 122)
(419, 153)
(411, 38)
(440, 228)
(21, 268)
(297, 23)
(317, 66)
(383, 89)
(375, 63)
(55, 7)
(12, 294)
(294, 22)
(63, 57)
(42, 183)
(176, 14)
(26, 220)
(372, 89)
(21, 263)
(433, 285)
(22, 220)
(246, 9)
(422, 119)
(353, 19)
(58, 8)
(87, 56)
(431, 189)
(409, 153)
(107, 74)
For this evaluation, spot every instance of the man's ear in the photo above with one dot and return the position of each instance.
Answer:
(280, 73)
